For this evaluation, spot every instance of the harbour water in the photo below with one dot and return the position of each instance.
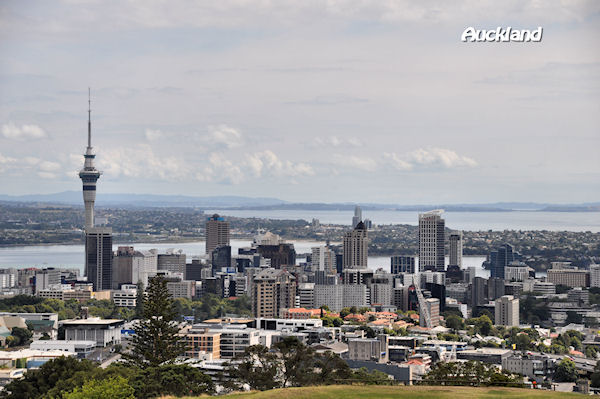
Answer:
(471, 221)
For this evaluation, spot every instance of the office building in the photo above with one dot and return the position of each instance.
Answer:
(356, 243)
(569, 277)
(272, 290)
(433, 306)
(323, 259)
(99, 256)
(402, 264)
(507, 311)
(431, 241)
(516, 271)
(278, 256)
(500, 259)
(46, 278)
(173, 261)
(133, 267)
(594, 275)
(104, 332)
(357, 218)
(217, 233)
(455, 246)
(221, 259)
(369, 349)
(478, 291)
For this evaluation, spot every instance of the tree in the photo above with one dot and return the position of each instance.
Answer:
(298, 362)
(170, 379)
(115, 387)
(139, 302)
(484, 325)
(22, 336)
(258, 367)
(469, 373)
(53, 375)
(155, 341)
(522, 341)
(574, 317)
(455, 322)
(565, 371)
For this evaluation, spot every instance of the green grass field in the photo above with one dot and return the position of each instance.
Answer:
(389, 392)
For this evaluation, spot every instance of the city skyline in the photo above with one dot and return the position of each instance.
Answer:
(262, 101)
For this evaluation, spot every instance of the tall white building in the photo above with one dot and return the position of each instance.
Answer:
(431, 240)
(507, 311)
(455, 252)
(356, 243)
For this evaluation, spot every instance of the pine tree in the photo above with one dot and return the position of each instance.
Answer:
(155, 341)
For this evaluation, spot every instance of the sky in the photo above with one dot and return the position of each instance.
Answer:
(306, 101)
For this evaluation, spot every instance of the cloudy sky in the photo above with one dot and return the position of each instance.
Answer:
(338, 100)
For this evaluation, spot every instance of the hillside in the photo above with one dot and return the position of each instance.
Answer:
(400, 392)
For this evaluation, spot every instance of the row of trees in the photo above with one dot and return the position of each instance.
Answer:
(470, 373)
(65, 309)
(291, 363)
(67, 377)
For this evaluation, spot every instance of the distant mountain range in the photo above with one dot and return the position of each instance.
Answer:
(267, 203)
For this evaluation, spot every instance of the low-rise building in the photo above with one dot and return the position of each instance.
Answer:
(82, 349)
(104, 332)
(373, 349)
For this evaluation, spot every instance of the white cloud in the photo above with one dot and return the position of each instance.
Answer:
(335, 141)
(267, 163)
(153, 135)
(440, 157)
(355, 162)
(222, 170)
(140, 162)
(23, 132)
(397, 162)
(224, 136)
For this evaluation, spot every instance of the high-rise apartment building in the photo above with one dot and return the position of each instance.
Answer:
(431, 240)
(402, 264)
(455, 248)
(356, 243)
(272, 290)
(217, 233)
(507, 311)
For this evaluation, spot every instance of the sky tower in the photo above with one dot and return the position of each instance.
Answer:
(89, 175)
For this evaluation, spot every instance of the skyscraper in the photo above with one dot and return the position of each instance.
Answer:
(500, 259)
(507, 311)
(431, 240)
(98, 240)
(455, 248)
(98, 257)
(217, 233)
(357, 218)
(402, 264)
(356, 243)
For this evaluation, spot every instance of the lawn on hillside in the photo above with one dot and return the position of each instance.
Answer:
(394, 392)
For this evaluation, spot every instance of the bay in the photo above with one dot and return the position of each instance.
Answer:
(470, 221)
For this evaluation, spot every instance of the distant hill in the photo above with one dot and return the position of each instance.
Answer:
(75, 198)
(267, 203)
